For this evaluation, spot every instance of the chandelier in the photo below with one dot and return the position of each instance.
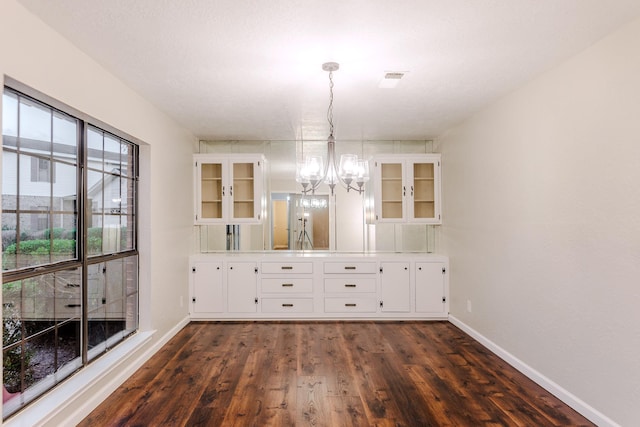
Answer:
(352, 173)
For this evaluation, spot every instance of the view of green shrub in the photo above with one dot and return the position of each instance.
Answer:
(57, 233)
(42, 247)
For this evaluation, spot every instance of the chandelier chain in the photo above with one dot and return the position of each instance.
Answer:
(330, 110)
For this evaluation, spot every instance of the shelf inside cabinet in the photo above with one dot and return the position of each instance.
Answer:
(423, 170)
(243, 209)
(391, 209)
(212, 209)
(424, 209)
(211, 171)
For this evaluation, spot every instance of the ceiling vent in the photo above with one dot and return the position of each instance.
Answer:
(391, 79)
(395, 75)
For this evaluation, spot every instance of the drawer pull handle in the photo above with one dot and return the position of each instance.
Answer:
(72, 285)
(287, 305)
(349, 305)
(287, 285)
(349, 267)
(72, 305)
(286, 267)
(349, 285)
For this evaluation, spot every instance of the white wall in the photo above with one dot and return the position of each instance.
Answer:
(35, 55)
(542, 224)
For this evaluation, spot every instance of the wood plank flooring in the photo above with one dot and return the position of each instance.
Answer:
(328, 374)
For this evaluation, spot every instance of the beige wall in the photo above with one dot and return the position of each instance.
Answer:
(33, 54)
(542, 223)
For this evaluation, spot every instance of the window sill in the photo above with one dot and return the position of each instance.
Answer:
(64, 395)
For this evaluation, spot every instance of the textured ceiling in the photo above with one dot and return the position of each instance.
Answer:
(240, 69)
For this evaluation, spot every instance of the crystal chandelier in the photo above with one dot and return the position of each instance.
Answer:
(351, 172)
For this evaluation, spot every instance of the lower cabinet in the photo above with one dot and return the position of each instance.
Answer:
(242, 281)
(354, 304)
(287, 305)
(395, 287)
(431, 296)
(206, 292)
(269, 286)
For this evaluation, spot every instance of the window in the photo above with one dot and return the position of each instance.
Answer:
(69, 251)
(42, 171)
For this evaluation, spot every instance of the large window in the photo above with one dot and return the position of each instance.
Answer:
(69, 253)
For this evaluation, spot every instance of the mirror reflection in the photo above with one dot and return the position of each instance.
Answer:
(300, 222)
(344, 224)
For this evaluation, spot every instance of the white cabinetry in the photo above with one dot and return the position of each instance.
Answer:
(407, 188)
(244, 286)
(286, 287)
(206, 292)
(242, 279)
(395, 287)
(228, 189)
(350, 287)
(431, 295)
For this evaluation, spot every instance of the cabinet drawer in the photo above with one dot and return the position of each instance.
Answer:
(286, 285)
(353, 284)
(287, 305)
(287, 267)
(350, 305)
(349, 267)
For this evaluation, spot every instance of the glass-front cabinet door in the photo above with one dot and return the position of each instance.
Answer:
(242, 190)
(391, 191)
(228, 189)
(423, 192)
(407, 189)
(210, 189)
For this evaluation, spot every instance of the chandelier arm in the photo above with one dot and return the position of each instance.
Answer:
(348, 187)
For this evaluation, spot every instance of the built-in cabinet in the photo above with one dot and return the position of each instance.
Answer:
(228, 188)
(242, 297)
(318, 286)
(395, 287)
(207, 294)
(431, 287)
(407, 188)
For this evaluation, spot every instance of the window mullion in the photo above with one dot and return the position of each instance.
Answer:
(82, 240)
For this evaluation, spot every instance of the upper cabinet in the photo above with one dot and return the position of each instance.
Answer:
(228, 188)
(407, 188)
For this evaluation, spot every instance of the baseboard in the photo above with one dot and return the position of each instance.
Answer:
(570, 399)
(68, 403)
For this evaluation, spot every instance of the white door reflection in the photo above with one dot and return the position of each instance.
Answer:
(300, 222)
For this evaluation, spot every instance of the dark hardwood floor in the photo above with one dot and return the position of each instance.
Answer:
(328, 374)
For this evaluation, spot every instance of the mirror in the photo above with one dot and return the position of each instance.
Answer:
(343, 225)
(300, 222)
